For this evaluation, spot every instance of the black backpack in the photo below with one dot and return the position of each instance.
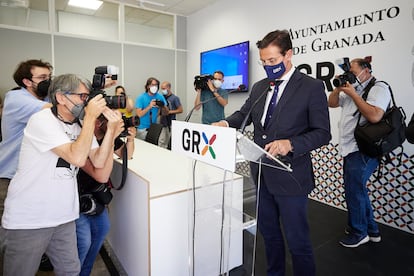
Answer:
(379, 139)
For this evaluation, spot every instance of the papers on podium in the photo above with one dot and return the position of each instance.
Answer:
(250, 151)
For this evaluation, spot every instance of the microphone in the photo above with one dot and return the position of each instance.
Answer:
(240, 88)
(268, 89)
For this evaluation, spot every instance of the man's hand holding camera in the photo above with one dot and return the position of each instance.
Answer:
(95, 107)
(115, 124)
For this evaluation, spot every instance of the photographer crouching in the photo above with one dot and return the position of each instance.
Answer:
(94, 185)
(94, 195)
(42, 202)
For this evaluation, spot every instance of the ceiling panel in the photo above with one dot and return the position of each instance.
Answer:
(136, 11)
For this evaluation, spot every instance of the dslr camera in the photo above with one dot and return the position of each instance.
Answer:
(98, 83)
(159, 103)
(200, 82)
(346, 76)
(129, 122)
(93, 202)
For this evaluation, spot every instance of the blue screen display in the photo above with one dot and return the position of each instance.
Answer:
(232, 60)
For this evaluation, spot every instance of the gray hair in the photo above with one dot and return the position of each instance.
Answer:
(66, 83)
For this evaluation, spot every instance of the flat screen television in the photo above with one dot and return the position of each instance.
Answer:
(232, 60)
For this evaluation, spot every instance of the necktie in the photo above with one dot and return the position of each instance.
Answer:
(272, 103)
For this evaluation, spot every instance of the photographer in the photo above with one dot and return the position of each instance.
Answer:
(175, 107)
(42, 201)
(32, 77)
(358, 167)
(148, 106)
(129, 108)
(409, 132)
(94, 187)
(213, 110)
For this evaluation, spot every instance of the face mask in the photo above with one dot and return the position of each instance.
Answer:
(217, 83)
(274, 72)
(165, 92)
(153, 89)
(78, 110)
(358, 81)
(42, 89)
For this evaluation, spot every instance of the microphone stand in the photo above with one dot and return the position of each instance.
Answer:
(243, 125)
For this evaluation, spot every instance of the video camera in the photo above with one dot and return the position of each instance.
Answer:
(346, 76)
(200, 82)
(98, 83)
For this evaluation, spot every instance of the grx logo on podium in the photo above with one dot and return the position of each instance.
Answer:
(210, 144)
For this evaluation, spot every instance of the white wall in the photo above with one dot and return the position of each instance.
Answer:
(227, 22)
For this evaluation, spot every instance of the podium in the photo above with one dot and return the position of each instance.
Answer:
(156, 229)
(218, 146)
(151, 216)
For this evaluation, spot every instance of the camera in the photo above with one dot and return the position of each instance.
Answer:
(129, 122)
(93, 203)
(103, 72)
(200, 82)
(98, 83)
(159, 103)
(346, 76)
(113, 102)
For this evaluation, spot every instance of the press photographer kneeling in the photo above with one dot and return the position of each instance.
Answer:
(95, 187)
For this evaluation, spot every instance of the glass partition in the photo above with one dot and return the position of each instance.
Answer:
(149, 27)
(99, 23)
(24, 13)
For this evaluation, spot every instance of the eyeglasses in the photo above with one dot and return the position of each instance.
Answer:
(42, 77)
(83, 96)
(270, 61)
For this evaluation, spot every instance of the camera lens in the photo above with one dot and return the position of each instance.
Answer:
(131, 121)
(116, 101)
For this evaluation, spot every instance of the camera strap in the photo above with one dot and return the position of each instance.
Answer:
(124, 168)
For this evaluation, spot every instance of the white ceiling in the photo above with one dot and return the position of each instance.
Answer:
(144, 12)
(179, 7)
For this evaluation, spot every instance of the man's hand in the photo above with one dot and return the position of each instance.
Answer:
(279, 147)
(211, 86)
(95, 106)
(348, 89)
(115, 122)
(221, 123)
(132, 132)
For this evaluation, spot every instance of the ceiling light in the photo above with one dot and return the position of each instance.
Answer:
(86, 4)
(151, 3)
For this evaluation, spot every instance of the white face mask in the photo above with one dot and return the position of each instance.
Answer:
(358, 81)
(153, 89)
(165, 92)
(217, 83)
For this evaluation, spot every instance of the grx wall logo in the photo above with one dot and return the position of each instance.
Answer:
(209, 144)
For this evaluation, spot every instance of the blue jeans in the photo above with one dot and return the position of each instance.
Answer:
(357, 170)
(91, 232)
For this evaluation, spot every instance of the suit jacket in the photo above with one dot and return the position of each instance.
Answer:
(302, 116)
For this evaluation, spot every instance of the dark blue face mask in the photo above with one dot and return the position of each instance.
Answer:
(275, 72)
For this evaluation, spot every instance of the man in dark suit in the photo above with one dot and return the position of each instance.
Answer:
(289, 112)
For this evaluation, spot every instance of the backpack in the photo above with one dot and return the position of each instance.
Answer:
(379, 139)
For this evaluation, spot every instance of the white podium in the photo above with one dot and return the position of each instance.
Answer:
(151, 217)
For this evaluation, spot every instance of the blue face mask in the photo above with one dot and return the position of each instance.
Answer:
(275, 72)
